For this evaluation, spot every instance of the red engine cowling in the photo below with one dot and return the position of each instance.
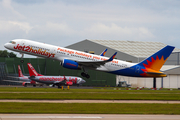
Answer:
(69, 83)
(24, 84)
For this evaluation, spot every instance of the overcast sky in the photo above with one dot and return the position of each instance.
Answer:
(64, 22)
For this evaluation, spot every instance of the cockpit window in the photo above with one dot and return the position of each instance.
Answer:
(12, 42)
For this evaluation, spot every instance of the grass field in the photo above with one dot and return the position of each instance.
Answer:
(96, 89)
(90, 108)
(92, 94)
(88, 94)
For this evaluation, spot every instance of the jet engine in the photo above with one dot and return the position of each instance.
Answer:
(70, 64)
(24, 84)
(69, 83)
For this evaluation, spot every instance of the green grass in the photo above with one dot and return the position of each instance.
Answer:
(92, 94)
(89, 108)
(96, 89)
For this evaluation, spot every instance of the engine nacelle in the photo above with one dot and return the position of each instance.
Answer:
(70, 64)
(69, 83)
(24, 84)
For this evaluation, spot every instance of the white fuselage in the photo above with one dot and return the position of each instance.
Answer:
(58, 79)
(60, 53)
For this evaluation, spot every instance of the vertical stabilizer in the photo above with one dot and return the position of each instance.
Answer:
(20, 72)
(32, 71)
(103, 53)
(154, 63)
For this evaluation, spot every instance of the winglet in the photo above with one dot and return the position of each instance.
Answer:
(103, 53)
(110, 59)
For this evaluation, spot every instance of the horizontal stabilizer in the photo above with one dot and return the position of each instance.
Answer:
(154, 74)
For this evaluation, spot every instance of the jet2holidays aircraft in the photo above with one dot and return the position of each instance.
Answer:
(54, 80)
(74, 59)
(23, 79)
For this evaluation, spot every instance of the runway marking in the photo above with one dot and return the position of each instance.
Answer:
(91, 117)
(88, 116)
(95, 92)
(94, 101)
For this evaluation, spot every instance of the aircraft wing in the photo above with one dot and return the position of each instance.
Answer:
(57, 82)
(96, 64)
(16, 81)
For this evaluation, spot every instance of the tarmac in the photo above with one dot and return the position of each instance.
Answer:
(86, 117)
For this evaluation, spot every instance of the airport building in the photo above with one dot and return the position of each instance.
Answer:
(130, 51)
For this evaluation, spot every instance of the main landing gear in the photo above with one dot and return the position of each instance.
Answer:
(22, 55)
(85, 75)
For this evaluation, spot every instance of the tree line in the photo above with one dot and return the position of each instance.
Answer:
(5, 53)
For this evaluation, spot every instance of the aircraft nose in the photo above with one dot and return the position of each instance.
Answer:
(83, 81)
(6, 45)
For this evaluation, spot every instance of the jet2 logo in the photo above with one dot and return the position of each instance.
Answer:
(35, 51)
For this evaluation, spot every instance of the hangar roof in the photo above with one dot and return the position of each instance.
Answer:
(134, 48)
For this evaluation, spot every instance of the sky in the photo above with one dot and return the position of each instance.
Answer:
(65, 22)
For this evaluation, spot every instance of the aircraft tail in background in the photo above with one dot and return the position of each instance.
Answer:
(20, 72)
(32, 71)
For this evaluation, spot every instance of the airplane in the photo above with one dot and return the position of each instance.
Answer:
(78, 60)
(23, 79)
(54, 80)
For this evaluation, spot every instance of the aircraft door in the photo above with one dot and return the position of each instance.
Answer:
(23, 42)
(137, 69)
(54, 50)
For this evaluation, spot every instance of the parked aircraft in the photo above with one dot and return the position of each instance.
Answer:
(54, 80)
(23, 79)
(74, 59)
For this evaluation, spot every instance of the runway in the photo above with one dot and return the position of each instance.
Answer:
(86, 116)
(94, 101)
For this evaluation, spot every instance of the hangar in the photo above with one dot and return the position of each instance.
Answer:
(136, 51)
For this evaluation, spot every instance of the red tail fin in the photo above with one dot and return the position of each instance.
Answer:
(20, 72)
(32, 71)
(65, 78)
